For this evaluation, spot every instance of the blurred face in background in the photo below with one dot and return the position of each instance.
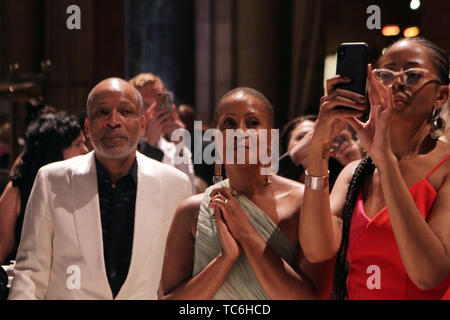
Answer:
(300, 131)
(157, 119)
(345, 148)
(149, 94)
(77, 147)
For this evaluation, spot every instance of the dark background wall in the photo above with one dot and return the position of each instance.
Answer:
(160, 39)
(201, 48)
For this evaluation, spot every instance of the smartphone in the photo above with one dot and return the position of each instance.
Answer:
(352, 63)
(165, 101)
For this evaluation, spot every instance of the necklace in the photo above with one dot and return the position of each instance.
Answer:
(267, 181)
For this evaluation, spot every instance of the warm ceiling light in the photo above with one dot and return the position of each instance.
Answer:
(390, 30)
(411, 32)
(414, 4)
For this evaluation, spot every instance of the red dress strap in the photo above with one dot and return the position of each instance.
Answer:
(435, 168)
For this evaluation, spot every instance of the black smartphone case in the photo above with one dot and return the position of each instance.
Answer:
(352, 62)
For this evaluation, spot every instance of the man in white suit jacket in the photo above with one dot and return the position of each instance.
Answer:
(61, 254)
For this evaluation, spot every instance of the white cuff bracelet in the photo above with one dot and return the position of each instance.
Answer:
(316, 183)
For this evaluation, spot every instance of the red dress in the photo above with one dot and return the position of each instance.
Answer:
(376, 269)
(447, 295)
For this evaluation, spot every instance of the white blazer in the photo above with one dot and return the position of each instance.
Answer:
(61, 250)
(170, 151)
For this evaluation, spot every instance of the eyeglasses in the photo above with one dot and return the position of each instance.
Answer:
(410, 77)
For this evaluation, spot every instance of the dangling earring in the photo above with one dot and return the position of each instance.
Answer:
(217, 172)
(437, 125)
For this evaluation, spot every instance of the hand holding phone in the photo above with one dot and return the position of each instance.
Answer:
(165, 101)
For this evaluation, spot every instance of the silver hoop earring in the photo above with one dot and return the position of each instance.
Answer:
(437, 125)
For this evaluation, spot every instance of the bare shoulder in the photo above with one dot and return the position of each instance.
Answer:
(10, 200)
(187, 212)
(11, 190)
(443, 172)
(435, 165)
(290, 198)
(445, 147)
(288, 186)
(349, 169)
(191, 204)
(11, 193)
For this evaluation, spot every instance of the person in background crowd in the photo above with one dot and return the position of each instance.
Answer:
(204, 172)
(295, 140)
(161, 123)
(35, 108)
(446, 117)
(387, 218)
(5, 141)
(49, 138)
(239, 239)
(95, 225)
(187, 115)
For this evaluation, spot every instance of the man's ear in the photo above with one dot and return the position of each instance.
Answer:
(442, 96)
(86, 127)
(143, 126)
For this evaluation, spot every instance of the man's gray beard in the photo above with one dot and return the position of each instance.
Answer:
(122, 155)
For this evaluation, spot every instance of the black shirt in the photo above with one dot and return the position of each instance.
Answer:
(117, 209)
(152, 152)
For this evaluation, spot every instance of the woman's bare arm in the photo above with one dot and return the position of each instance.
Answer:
(176, 281)
(423, 245)
(320, 225)
(9, 209)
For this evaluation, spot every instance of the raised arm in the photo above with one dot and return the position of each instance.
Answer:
(176, 281)
(320, 224)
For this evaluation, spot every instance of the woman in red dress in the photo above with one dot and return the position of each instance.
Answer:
(388, 216)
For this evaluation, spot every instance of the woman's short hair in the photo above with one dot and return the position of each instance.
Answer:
(251, 92)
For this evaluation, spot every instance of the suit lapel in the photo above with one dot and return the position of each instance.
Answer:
(88, 221)
(148, 212)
